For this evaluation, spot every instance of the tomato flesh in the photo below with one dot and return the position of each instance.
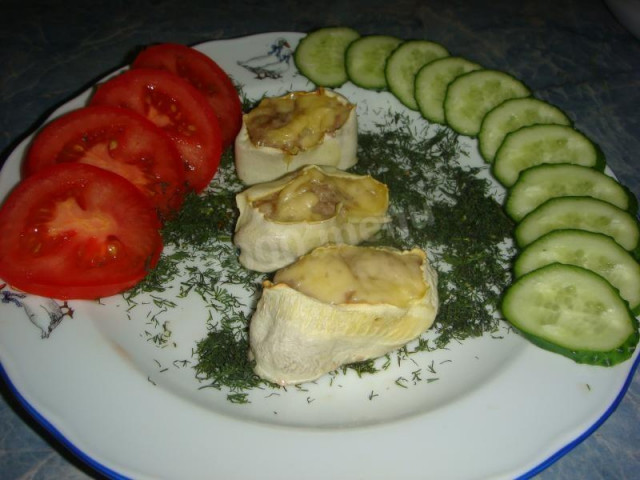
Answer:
(73, 230)
(205, 75)
(176, 107)
(115, 139)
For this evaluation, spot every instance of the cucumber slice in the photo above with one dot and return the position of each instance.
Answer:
(538, 144)
(470, 96)
(432, 81)
(320, 55)
(574, 312)
(403, 64)
(593, 251)
(538, 184)
(366, 58)
(582, 213)
(511, 115)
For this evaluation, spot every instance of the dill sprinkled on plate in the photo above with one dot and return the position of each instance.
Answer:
(449, 209)
(435, 203)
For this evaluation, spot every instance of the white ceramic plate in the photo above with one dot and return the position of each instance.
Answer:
(501, 408)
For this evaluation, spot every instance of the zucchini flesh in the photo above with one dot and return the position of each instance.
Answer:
(511, 115)
(320, 55)
(470, 96)
(593, 251)
(432, 81)
(538, 144)
(366, 58)
(403, 64)
(538, 184)
(582, 213)
(574, 312)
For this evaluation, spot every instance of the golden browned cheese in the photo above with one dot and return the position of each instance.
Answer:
(297, 121)
(357, 275)
(337, 305)
(314, 196)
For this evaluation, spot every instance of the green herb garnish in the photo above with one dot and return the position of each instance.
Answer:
(436, 204)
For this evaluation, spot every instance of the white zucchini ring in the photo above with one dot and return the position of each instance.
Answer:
(285, 133)
(337, 305)
(286, 218)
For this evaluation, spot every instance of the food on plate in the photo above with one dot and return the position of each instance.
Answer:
(320, 55)
(431, 84)
(203, 73)
(542, 182)
(288, 217)
(77, 231)
(340, 304)
(543, 144)
(574, 312)
(583, 213)
(404, 63)
(366, 58)
(472, 95)
(287, 132)
(115, 139)
(178, 108)
(511, 115)
(594, 251)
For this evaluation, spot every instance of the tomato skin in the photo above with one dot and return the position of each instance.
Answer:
(178, 108)
(117, 139)
(204, 74)
(76, 231)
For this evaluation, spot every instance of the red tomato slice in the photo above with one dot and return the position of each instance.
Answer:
(119, 140)
(178, 108)
(204, 74)
(77, 231)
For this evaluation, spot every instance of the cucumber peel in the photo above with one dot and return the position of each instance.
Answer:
(593, 251)
(320, 55)
(405, 62)
(582, 213)
(542, 182)
(365, 60)
(573, 312)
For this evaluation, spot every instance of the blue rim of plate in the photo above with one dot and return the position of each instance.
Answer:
(57, 434)
(103, 470)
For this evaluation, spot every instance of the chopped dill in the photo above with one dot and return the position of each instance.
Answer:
(435, 204)
(438, 204)
(223, 361)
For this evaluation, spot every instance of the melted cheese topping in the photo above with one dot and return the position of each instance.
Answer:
(313, 195)
(297, 121)
(357, 275)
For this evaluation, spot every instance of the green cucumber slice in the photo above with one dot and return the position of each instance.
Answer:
(574, 312)
(593, 251)
(403, 64)
(470, 96)
(538, 144)
(320, 55)
(511, 115)
(432, 81)
(538, 184)
(365, 60)
(582, 213)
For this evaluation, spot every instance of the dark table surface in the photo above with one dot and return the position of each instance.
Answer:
(574, 54)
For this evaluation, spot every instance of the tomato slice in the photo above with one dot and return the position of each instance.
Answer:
(178, 108)
(204, 74)
(73, 230)
(119, 140)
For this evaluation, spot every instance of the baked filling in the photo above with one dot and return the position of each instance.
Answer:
(297, 121)
(313, 195)
(350, 275)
